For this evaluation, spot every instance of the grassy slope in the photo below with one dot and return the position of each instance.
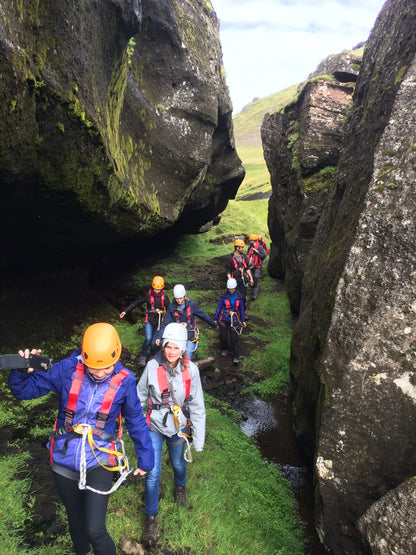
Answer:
(247, 124)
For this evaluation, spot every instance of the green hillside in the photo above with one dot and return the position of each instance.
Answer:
(247, 124)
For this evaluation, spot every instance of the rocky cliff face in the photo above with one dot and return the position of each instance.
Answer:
(354, 344)
(115, 124)
(301, 147)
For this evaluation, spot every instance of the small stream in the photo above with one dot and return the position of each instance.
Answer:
(271, 425)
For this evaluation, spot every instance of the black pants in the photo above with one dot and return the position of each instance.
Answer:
(86, 511)
(242, 289)
(229, 339)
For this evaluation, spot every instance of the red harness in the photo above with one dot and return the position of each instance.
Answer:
(102, 415)
(243, 262)
(228, 305)
(162, 380)
(152, 304)
(255, 259)
(176, 315)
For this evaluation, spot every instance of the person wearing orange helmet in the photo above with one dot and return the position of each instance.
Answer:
(255, 254)
(94, 390)
(156, 302)
(263, 244)
(237, 267)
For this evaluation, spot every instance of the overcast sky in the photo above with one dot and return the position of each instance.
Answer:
(269, 45)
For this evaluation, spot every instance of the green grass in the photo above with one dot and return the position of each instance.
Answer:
(235, 499)
(247, 124)
(14, 498)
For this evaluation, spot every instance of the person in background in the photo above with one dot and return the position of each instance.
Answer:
(237, 267)
(255, 254)
(263, 244)
(156, 302)
(184, 310)
(93, 389)
(171, 391)
(231, 317)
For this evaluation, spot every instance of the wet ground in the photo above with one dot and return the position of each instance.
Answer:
(270, 424)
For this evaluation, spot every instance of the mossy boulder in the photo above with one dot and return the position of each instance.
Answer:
(115, 124)
(353, 352)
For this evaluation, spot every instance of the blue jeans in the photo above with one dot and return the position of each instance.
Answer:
(150, 339)
(151, 485)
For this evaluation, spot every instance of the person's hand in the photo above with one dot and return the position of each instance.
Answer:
(251, 281)
(26, 353)
(140, 472)
(244, 324)
(122, 314)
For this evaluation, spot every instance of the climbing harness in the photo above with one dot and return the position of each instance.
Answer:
(195, 340)
(238, 328)
(254, 260)
(160, 311)
(181, 422)
(235, 321)
(123, 467)
(87, 431)
(180, 415)
(242, 269)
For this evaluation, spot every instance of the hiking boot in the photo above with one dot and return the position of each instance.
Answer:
(180, 496)
(142, 361)
(235, 360)
(224, 352)
(149, 536)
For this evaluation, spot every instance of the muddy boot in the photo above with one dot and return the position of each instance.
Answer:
(149, 536)
(180, 496)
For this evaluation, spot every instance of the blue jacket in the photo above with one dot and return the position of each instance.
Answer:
(224, 313)
(173, 314)
(59, 380)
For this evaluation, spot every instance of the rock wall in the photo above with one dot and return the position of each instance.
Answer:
(301, 147)
(354, 344)
(115, 124)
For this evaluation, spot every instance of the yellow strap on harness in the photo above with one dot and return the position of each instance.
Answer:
(180, 423)
(233, 315)
(121, 456)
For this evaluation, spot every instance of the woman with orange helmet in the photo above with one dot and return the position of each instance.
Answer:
(94, 389)
(156, 302)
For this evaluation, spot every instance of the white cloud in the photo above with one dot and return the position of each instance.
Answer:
(269, 45)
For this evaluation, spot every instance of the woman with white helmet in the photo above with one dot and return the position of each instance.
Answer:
(170, 389)
(184, 310)
(232, 319)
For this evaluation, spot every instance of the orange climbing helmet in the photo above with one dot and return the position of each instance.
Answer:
(158, 282)
(253, 237)
(239, 243)
(101, 346)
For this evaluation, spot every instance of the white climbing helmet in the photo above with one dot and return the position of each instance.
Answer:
(231, 283)
(175, 333)
(179, 291)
